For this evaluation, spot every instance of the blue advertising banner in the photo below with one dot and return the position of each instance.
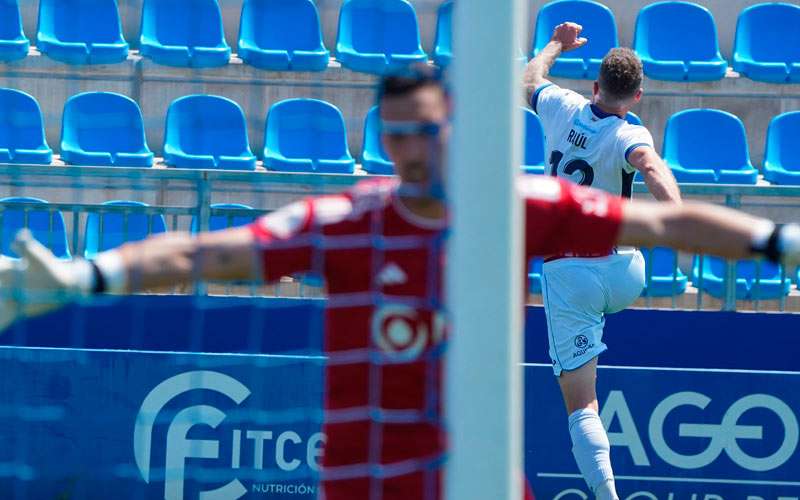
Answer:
(107, 401)
(79, 424)
(675, 434)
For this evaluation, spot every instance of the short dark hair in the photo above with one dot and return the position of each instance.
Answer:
(410, 79)
(621, 73)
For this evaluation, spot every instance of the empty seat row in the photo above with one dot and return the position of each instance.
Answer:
(375, 36)
(117, 223)
(755, 280)
(678, 40)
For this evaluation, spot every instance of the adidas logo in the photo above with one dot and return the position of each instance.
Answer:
(391, 274)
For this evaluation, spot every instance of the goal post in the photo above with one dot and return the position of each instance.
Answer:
(484, 279)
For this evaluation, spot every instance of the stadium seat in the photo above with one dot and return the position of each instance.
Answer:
(218, 222)
(767, 44)
(781, 156)
(46, 225)
(534, 144)
(752, 283)
(21, 129)
(108, 230)
(599, 26)
(633, 118)
(282, 35)
(708, 146)
(666, 280)
(378, 36)
(81, 31)
(535, 276)
(677, 41)
(13, 43)
(443, 50)
(306, 135)
(104, 129)
(185, 34)
(374, 159)
(207, 131)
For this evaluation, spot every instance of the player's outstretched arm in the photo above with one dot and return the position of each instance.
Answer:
(566, 37)
(708, 229)
(39, 282)
(657, 176)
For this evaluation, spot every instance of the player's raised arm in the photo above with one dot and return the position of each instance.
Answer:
(657, 175)
(566, 37)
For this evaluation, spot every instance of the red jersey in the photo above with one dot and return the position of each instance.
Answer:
(384, 326)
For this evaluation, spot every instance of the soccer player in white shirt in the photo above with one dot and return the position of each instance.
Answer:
(591, 143)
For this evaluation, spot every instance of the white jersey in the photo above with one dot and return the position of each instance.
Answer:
(586, 145)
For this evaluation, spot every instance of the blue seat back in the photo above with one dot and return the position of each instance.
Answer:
(444, 30)
(104, 122)
(676, 31)
(379, 26)
(661, 261)
(706, 139)
(46, 225)
(282, 24)
(306, 128)
(768, 32)
(372, 134)
(599, 26)
(108, 230)
(219, 222)
(207, 125)
(746, 270)
(80, 21)
(633, 118)
(177, 22)
(21, 124)
(10, 20)
(534, 139)
(782, 137)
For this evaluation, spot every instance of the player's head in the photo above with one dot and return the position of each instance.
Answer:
(415, 124)
(620, 82)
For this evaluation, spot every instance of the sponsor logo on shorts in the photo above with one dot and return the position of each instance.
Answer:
(583, 345)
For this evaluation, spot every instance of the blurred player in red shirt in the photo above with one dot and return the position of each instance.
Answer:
(380, 248)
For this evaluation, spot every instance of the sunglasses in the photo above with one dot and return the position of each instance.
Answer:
(406, 129)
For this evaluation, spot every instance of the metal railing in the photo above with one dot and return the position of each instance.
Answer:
(185, 198)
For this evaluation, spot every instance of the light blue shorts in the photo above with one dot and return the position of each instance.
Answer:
(578, 293)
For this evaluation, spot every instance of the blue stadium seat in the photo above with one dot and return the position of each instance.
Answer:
(46, 225)
(633, 118)
(443, 50)
(677, 41)
(599, 26)
(534, 144)
(81, 31)
(104, 129)
(666, 280)
(108, 230)
(21, 129)
(13, 43)
(767, 44)
(535, 276)
(218, 222)
(282, 35)
(373, 157)
(708, 146)
(752, 283)
(378, 36)
(207, 131)
(306, 135)
(184, 34)
(781, 155)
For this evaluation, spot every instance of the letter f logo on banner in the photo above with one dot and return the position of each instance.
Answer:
(178, 447)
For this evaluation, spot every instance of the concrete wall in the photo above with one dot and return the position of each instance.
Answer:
(725, 12)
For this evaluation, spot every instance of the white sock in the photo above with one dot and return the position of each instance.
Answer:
(592, 452)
